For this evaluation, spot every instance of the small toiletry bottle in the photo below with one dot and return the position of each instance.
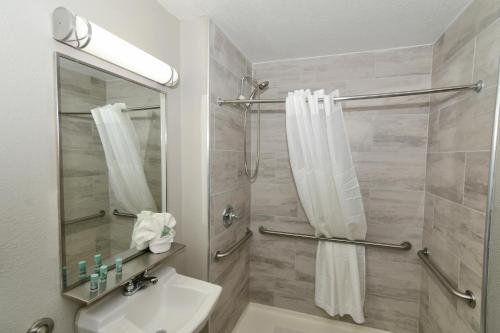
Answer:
(82, 269)
(93, 282)
(97, 262)
(65, 276)
(103, 273)
(118, 265)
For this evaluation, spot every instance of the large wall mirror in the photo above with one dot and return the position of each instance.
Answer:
(112, 164)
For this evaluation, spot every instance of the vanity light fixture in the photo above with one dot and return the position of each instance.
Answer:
(80, 33)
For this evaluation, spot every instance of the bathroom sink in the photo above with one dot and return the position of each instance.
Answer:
(176, 304)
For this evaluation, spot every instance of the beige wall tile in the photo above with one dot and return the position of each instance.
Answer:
(466, 27)
(405, 61)
(274, 199)
(469, 279)
(445, 175)
(388, 138)
(476, 180)
(390, 170)
(228, 181)
(459, 139)
(487, 54)
(400, 133)
(391, 314)
(467, 124)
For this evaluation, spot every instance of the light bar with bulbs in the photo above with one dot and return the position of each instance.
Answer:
(82, 34)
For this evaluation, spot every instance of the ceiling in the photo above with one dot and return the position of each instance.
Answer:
(267, 30)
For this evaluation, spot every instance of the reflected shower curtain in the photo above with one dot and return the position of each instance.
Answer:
(123, 158)
(328, 189)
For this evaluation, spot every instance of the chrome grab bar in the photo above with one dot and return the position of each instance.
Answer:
(222, 254)
(467, 295)
(118, 213)
(405, 246)
(139, 108)
(85, 218)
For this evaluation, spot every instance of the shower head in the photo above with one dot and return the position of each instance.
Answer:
(258, 86)
(263, 85)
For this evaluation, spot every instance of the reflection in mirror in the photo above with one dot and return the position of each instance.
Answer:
(111, 165)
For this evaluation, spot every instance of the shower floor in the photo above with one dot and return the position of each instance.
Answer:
(268, 319)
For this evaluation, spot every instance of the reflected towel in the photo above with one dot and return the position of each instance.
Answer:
(150, 226)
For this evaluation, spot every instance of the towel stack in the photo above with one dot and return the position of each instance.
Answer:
(154, 230)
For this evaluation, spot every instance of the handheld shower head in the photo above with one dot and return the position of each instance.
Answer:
(263, 85)
(257, 87)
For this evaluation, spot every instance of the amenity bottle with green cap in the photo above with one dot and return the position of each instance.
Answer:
(93, 281)
(103, 273)
(82, 269)
(97, 262)
(118, 265)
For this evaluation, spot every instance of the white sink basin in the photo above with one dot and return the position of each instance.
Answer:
(176, 304)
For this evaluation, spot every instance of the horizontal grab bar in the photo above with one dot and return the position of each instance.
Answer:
(85, 218)
(467, 295)
(118, 213)
(405, 246)
(222, 254)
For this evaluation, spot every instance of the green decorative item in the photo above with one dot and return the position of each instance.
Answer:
(103, 273)
(97, 262)
(82, 269)
(118, 265)
(93, 282)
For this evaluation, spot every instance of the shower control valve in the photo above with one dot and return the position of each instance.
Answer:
(229, 216)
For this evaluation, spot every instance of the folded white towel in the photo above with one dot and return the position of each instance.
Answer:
(150, 226)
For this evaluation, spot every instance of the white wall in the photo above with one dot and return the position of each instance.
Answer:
(29, 236)
(194, 68)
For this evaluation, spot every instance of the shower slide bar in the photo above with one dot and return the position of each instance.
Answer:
(219, 255)
(139, 108)
(85, 218)
(405, 246)
(116, 212)
(474, 86)
(467, 295)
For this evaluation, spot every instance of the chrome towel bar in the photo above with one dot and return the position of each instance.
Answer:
(118, 213)
(139, 108)
(467, 295)
(222, 254)
(405, 246)
(85, 218)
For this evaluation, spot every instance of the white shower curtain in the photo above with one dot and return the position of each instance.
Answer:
(329, 191)
(123, 158)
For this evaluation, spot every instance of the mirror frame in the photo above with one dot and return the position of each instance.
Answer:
(58, 56)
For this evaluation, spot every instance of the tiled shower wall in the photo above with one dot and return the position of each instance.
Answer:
(457, 165)
(389, 143)
(228, 184)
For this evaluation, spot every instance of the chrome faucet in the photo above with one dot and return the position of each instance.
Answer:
(140, 282)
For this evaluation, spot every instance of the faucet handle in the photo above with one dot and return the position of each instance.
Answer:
(229, 216)
(130, 286)
(150, 278)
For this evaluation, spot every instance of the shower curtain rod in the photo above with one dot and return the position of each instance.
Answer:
(139, 108)
(474, 86)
